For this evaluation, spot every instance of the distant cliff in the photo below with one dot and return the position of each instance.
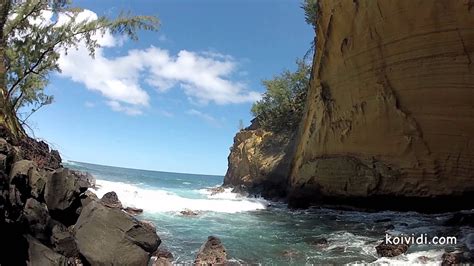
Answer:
(389, 118)
(259, 161)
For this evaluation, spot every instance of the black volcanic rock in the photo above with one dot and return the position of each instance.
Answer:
(212, 252)
(123, 240)
(110, 199)
(391, 250)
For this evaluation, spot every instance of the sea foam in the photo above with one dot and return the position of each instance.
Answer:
(157, 200)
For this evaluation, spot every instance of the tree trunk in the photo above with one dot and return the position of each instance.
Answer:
(8, 116)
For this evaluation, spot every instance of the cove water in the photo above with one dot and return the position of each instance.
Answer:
(257, 232)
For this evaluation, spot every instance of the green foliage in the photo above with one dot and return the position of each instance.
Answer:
(34, 44)
(281, 106)
(311, 10)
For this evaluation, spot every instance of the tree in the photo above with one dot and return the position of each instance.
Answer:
(311, 11)
(30, 46)
(282, 104)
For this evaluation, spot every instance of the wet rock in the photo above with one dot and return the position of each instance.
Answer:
(133, 211)
(211, 252)
(144, 235)
(451, 258)
(188, 212)
(63, 241)
(40, 255)
(216, 190)
(123, 240)
(461, 219)
(162, 257)
(319, 242)
(389, 227)
(391, 250)
(37, 217)
(110, 199)
(290, 253)
(423, 259)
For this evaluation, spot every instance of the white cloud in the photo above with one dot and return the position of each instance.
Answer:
(129, 110)
(204, 77)
(206, 117)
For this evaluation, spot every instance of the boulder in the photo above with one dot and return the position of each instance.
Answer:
(85, 178)
(40, 255)
(188, 212)
(319, 242)
(451, 258)
(37, 217)
(5, 147)
(62, 189)
(211, 252)
(88, 197)
(391, 250)
(133, 210)
(21, 168)
(162, 257)
(110, 199)
(3, 162)
(216, 190)
(144, 235)
(63, 241)
(119, 237)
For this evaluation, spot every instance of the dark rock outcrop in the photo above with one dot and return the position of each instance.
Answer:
(133, 210)
(391, 250)
(162, 257)
(40, 255)
(212, 252)
(110, 199)
(63, 241)
(188, 212)
(37, 218)
(123, 239)
(47, 216)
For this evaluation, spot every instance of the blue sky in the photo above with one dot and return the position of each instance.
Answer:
(171, 101)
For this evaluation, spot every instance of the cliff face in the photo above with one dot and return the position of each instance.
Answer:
(390, 110)
(259, 162)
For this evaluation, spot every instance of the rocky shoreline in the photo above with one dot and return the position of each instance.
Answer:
(49, 217)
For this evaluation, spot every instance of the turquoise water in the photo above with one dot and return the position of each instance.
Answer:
(256, 231)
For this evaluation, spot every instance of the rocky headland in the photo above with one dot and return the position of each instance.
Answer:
(389, 116)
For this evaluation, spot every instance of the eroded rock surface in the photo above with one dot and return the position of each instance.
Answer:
(389, 114)
(259, 162)
(120, 238)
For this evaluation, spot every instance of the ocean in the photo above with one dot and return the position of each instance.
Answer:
(256, 231)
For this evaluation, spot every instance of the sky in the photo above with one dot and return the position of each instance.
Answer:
(172, 100)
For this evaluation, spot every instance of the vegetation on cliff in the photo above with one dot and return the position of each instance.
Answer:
(34, 34)
(282, 104)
